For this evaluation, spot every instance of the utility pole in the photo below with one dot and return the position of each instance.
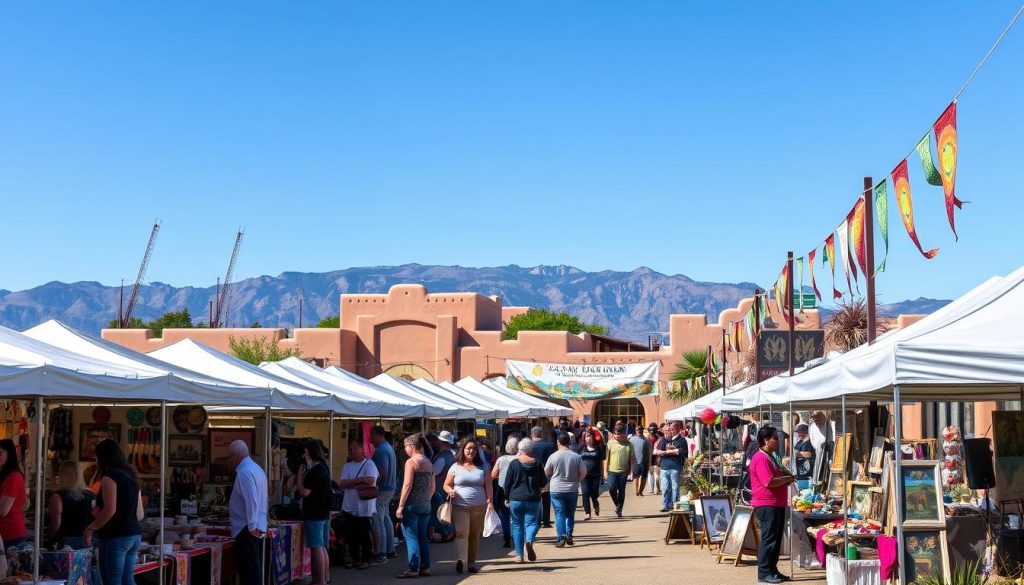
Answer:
(789, 297)
(757, 335)
(869, 253)
(724, 359)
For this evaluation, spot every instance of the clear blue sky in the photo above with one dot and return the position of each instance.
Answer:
(606, 135)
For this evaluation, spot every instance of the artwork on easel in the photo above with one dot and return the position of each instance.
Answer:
(877, 452)
(841, 454)
(717, 513)
(741, 538)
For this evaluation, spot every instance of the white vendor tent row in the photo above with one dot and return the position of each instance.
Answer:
(540, 406)
(445, 406)
(372, 400)
(486, 409)
(518, 409)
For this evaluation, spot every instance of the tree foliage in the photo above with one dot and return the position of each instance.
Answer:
(693, 369)
(848, 327)
(330, 322)
(257, 350)
(543, 320)
(170, 320)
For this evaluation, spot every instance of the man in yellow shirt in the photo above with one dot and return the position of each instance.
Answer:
(621, 465)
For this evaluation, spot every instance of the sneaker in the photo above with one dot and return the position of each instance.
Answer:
(770, 580)
(665, 510)
(560, 543)
(458, 567)
(381, 559)
(597, 509)
(568, 540)
(782, 577)
(530, 553)
(618, 513)
(586, 517)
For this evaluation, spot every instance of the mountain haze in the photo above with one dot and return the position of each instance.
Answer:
(632, 304)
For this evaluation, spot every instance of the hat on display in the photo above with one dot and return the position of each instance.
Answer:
(446, 437)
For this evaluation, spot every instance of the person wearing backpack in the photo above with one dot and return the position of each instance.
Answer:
(314, 485)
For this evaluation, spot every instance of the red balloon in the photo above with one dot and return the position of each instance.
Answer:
(708, 416)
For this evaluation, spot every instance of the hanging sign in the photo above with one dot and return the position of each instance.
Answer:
(583, 381)
(773, 354)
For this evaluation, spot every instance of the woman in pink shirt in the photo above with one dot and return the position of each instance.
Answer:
(769, 484)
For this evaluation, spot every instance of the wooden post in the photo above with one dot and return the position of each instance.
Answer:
(792, 318)
(757, 334)
(869, 254)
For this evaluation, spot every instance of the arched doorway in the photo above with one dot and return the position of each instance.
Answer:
(409, 372)
(614, 409)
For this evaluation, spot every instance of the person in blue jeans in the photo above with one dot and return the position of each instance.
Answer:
(672, 449)
(564, 469)
(524, 481)
(118, 516)
(414, 506)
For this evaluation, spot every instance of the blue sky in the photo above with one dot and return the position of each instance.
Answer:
(704, 139)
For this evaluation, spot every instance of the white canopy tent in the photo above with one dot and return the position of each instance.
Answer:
(283, 393)
(437, 406)
(516, 408)
(486, 408)
(370, 400)
(545, 407)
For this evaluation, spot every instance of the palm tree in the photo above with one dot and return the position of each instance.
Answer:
(693, 369)
(848, 327)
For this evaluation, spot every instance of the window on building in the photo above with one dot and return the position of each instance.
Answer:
(625, 409)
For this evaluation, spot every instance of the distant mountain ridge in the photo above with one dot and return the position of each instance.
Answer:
(632, 304)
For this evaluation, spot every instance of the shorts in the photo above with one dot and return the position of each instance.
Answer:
(317, 532)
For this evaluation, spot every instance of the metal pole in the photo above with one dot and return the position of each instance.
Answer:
(846, 504)
(757, 335)
(792, 468)
(898, 431)
(163, 483)
(269, 422)
(330, 442)
(869, 255)
(725, 357)
(789, 301)
(40, 478)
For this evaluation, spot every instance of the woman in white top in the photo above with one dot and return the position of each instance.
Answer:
(469, 487)
(359, 472)
(498, 475)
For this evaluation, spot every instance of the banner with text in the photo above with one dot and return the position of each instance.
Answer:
(583, 381)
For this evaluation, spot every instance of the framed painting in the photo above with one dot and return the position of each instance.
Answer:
(717, 513)
(740, 537)
(835, 486)
(857, 497)
(186, 450)
(876, 505)
(220, 440)
(925, 552)
(877, 454)
(92, 433)
(922, 494)
(841, 453)
(1008, 446)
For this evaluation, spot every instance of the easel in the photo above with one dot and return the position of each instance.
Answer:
(751, 542)
(705, 538)
(680, 527)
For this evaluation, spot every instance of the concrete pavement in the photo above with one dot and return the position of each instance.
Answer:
(629, 548)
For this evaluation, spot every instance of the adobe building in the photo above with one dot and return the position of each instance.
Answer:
(448, 336)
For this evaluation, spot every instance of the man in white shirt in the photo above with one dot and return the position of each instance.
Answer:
(248, 512)
(822, 440)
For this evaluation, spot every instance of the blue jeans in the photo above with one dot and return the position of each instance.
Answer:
(117, 558)
(525, 523)
(565, 512)
(503, 512)
(415, 518)
(383, 527)
(669, 487)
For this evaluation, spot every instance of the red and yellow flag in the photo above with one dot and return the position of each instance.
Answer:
(946, 142)
(856, 220)
(901, 184)
(830, 255)
(810, 262)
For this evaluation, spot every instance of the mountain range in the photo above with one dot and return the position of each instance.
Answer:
(632, 304)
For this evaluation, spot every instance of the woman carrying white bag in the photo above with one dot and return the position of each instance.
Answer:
(469, 486)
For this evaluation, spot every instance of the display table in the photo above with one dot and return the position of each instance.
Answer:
(860, 572)
(149, 573)
(803, 542)
(289, 557)
(680, 527)
(73, 566)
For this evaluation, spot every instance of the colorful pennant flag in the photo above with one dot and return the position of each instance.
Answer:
(786, 286)
(810, 264)
(924, 152)
(946, 144)
(799, 280)
(857, 240)
(901, 184)
(844, 251)
(882, 212)
(830, 255)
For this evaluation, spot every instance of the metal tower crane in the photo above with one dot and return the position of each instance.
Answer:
(220, 317)
(124, 314)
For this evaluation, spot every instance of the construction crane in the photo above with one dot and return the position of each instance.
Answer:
(124, 314)
(220, 316)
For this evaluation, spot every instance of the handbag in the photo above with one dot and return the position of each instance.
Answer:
(366, 492)
(444, 511)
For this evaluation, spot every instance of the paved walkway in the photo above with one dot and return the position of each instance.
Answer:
(630, 548)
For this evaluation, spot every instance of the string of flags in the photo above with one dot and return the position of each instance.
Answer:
(850, 234)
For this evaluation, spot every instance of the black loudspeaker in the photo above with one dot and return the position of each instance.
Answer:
(978, 457)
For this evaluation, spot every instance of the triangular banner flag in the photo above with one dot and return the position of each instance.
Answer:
(830, 255)
(946, 144)
(882, 212)
(810, 264)
(857, 240)
(901, 184)
(843, 231)
(924, 152)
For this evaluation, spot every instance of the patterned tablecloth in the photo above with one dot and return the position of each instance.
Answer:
(71, 566)
(289, 557)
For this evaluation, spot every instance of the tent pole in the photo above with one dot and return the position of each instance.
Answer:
(330, 442)
(40, 477)
(163, 483)
(898, 430)
(268, 423)
(846, 504)
(792, 468)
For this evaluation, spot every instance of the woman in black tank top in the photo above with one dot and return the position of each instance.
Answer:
(70, 508)
(117, 523)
